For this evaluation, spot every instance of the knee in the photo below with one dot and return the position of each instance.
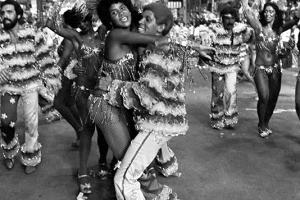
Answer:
(264, 99)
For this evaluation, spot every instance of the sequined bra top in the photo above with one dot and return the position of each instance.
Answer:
(267, 43)
(123, 69)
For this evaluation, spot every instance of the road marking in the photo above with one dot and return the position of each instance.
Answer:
(276, 111)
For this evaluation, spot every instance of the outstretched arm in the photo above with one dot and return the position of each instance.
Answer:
(250, 16)
(128, 37)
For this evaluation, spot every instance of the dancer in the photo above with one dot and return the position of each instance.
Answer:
(27, 66)
(229, 38)
(63, 101)
(158, 101)
(268, 73)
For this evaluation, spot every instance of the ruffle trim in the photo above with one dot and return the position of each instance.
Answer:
(31, 159)
(231, 120)
(221, 69)
(166, 194)
(169, 168)
(24, 75)
(17, 48)
(171, 88)
(167, 64)
(19, 61)
(154, 106)
(149, 126)
(10, 150)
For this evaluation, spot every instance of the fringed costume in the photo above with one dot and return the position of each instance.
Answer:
(32, 71)
(158, 99)
(230, 50)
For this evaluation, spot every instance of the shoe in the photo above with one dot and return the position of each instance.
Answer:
(9, 163)
(103, 171)
(263, 133)
(269, 131)
(84, 184)
(30, 169)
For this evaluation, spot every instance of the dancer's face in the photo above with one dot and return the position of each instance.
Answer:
(120, 15)
(228, 21)
(269, 14)
(9, 16)
(148, 23)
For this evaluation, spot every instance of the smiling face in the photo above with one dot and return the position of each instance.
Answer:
(269, 14)
(148, 23)
(120, 15)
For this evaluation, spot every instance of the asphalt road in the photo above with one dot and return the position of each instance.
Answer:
(216, 165)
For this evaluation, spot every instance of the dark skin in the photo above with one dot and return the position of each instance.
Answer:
(268, 86)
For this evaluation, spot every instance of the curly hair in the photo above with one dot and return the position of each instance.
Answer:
(229, 9)
(278, 21)
(18, 8)
(104, 14)
(73, 18)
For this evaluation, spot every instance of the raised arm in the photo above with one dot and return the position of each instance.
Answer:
(250, 16)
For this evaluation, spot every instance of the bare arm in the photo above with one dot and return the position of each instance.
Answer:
(67, 51)
(128, 37)
(250, 16)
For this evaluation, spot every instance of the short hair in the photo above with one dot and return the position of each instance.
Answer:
(72, 18)
(162, 14)
(278, 21)
(104, 14)
(18, 8)
(229, 9)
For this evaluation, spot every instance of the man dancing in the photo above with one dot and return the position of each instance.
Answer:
(229, 39)
(26, 68)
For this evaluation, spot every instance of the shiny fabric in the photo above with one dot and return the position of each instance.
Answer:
(223, 100)
(30, 150)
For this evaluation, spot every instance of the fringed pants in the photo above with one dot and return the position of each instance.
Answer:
(31, 149)
(141, 152)
(224, 100)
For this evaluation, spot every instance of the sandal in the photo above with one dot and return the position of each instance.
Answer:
(263, 133)
(269, 131)
(9, 163)
(103, 171)
(84, 184)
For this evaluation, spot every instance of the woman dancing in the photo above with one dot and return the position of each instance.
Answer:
(63, 101)
(267, 73)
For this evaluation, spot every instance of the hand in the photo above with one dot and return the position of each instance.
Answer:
(162, 41)
(206, 52)
(105, 82)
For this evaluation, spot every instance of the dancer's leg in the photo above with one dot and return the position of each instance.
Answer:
(9, 140)
(262, 85)
(274, 87)
(231, 112)
(297, 96)
(138, 157)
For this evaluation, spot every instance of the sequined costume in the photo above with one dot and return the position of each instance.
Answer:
(31, 66)
(230, 49)
(158, 99)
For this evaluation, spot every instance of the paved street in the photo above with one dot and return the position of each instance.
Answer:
(216, 165)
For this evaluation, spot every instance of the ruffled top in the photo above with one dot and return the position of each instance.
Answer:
(158, 97)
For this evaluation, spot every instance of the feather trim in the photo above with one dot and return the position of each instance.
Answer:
(19, 61)
(223, 70)
(4, 37)
(161, 128)
(24, 74)
(169, 65)
(19, 47)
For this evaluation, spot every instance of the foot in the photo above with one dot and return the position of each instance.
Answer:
(9, 163)
(103, 171)
(84, 184)
(30, 169)
(269, 131)
(263, 132)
